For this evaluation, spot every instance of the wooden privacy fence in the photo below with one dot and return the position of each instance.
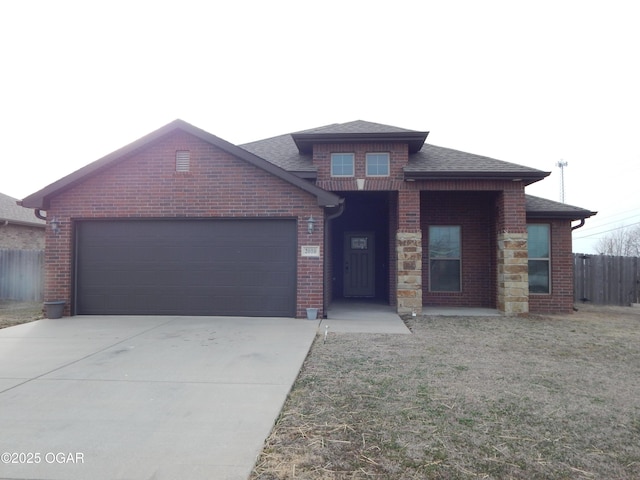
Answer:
(21, 275)
(606, 279)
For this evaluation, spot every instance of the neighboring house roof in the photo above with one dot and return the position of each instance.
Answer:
(293, 152)
(11, 212)
(538, 207)
(40, 199)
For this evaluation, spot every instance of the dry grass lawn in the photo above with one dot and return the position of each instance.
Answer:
(467, 397)
(14, 313)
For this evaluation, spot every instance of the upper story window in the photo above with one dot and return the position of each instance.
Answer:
(445, 259)
(342, 164)
(377, 164)
(539, 258)
(183, 160)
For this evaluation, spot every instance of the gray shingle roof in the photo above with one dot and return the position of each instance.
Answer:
(538, 207)
(357, 127)
(281, 151)
(433, 161)
(429, 161)
(13, 213)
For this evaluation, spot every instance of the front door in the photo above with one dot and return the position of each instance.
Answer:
(359, 264)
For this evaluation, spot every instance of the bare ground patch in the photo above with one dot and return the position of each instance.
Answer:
(14, 313)
(467, 397)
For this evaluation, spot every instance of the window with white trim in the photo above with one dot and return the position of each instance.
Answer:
(539, 248)
(342, 164)
(445, 259)
(377, 164)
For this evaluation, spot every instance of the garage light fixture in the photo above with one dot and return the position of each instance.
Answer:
(310, 224)
(55, 226)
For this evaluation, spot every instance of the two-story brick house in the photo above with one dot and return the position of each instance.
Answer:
(183, 222)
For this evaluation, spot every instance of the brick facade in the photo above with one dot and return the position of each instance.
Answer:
(218, 185)
(560, 299)
(491, 213)
(474, 213)
(21, 237)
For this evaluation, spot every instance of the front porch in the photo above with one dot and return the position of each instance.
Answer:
(379, 248)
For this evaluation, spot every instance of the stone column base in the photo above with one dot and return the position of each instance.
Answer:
(409, 285)
(513, 274)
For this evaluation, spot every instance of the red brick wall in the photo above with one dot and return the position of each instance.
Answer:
(511, 213)
(474, 213)
(560, 300)
(398, 158)
(217, 185)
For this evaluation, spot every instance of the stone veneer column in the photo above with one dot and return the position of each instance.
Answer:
(513, 273)
(409, 286)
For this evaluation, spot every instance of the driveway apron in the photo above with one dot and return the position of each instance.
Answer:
(144, 397)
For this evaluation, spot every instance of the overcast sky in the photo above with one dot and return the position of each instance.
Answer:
(527, 82)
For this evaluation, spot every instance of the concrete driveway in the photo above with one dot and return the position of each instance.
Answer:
(144, 397)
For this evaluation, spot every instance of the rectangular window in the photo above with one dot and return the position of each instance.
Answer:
(377, 164)
(342, 165)
(183, 160)
(539, 258)
(444, 259)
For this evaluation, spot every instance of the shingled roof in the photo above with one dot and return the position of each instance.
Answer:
(538, 207)
(433, 162)
(11, 212)
(358, 131)
(283, 152)
(293, 152)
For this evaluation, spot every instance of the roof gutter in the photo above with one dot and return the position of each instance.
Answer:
(526, 177)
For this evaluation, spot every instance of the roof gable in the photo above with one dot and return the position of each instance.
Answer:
(40, 199)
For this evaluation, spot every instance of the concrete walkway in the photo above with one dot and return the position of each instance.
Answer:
(144, 397)
(354, 316)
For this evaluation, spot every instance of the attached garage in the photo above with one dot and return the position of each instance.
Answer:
(242, 267)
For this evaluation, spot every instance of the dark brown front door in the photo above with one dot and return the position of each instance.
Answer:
(359, 264)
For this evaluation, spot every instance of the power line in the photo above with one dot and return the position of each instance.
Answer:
(606, 231)
(600, 225)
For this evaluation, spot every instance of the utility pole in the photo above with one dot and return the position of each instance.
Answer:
(562, 164)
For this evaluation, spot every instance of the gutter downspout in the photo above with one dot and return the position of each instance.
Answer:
(330, 217)
(581, 224)
(39, 215)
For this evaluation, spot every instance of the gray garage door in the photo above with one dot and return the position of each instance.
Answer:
(186, 267)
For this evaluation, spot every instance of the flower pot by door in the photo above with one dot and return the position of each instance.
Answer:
(54, 309)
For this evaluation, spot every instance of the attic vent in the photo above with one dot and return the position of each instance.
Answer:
(183, 160)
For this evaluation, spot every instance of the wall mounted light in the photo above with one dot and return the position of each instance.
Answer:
(310, 224)
(55, 225)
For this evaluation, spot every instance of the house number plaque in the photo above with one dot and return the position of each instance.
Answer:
(310, 251)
